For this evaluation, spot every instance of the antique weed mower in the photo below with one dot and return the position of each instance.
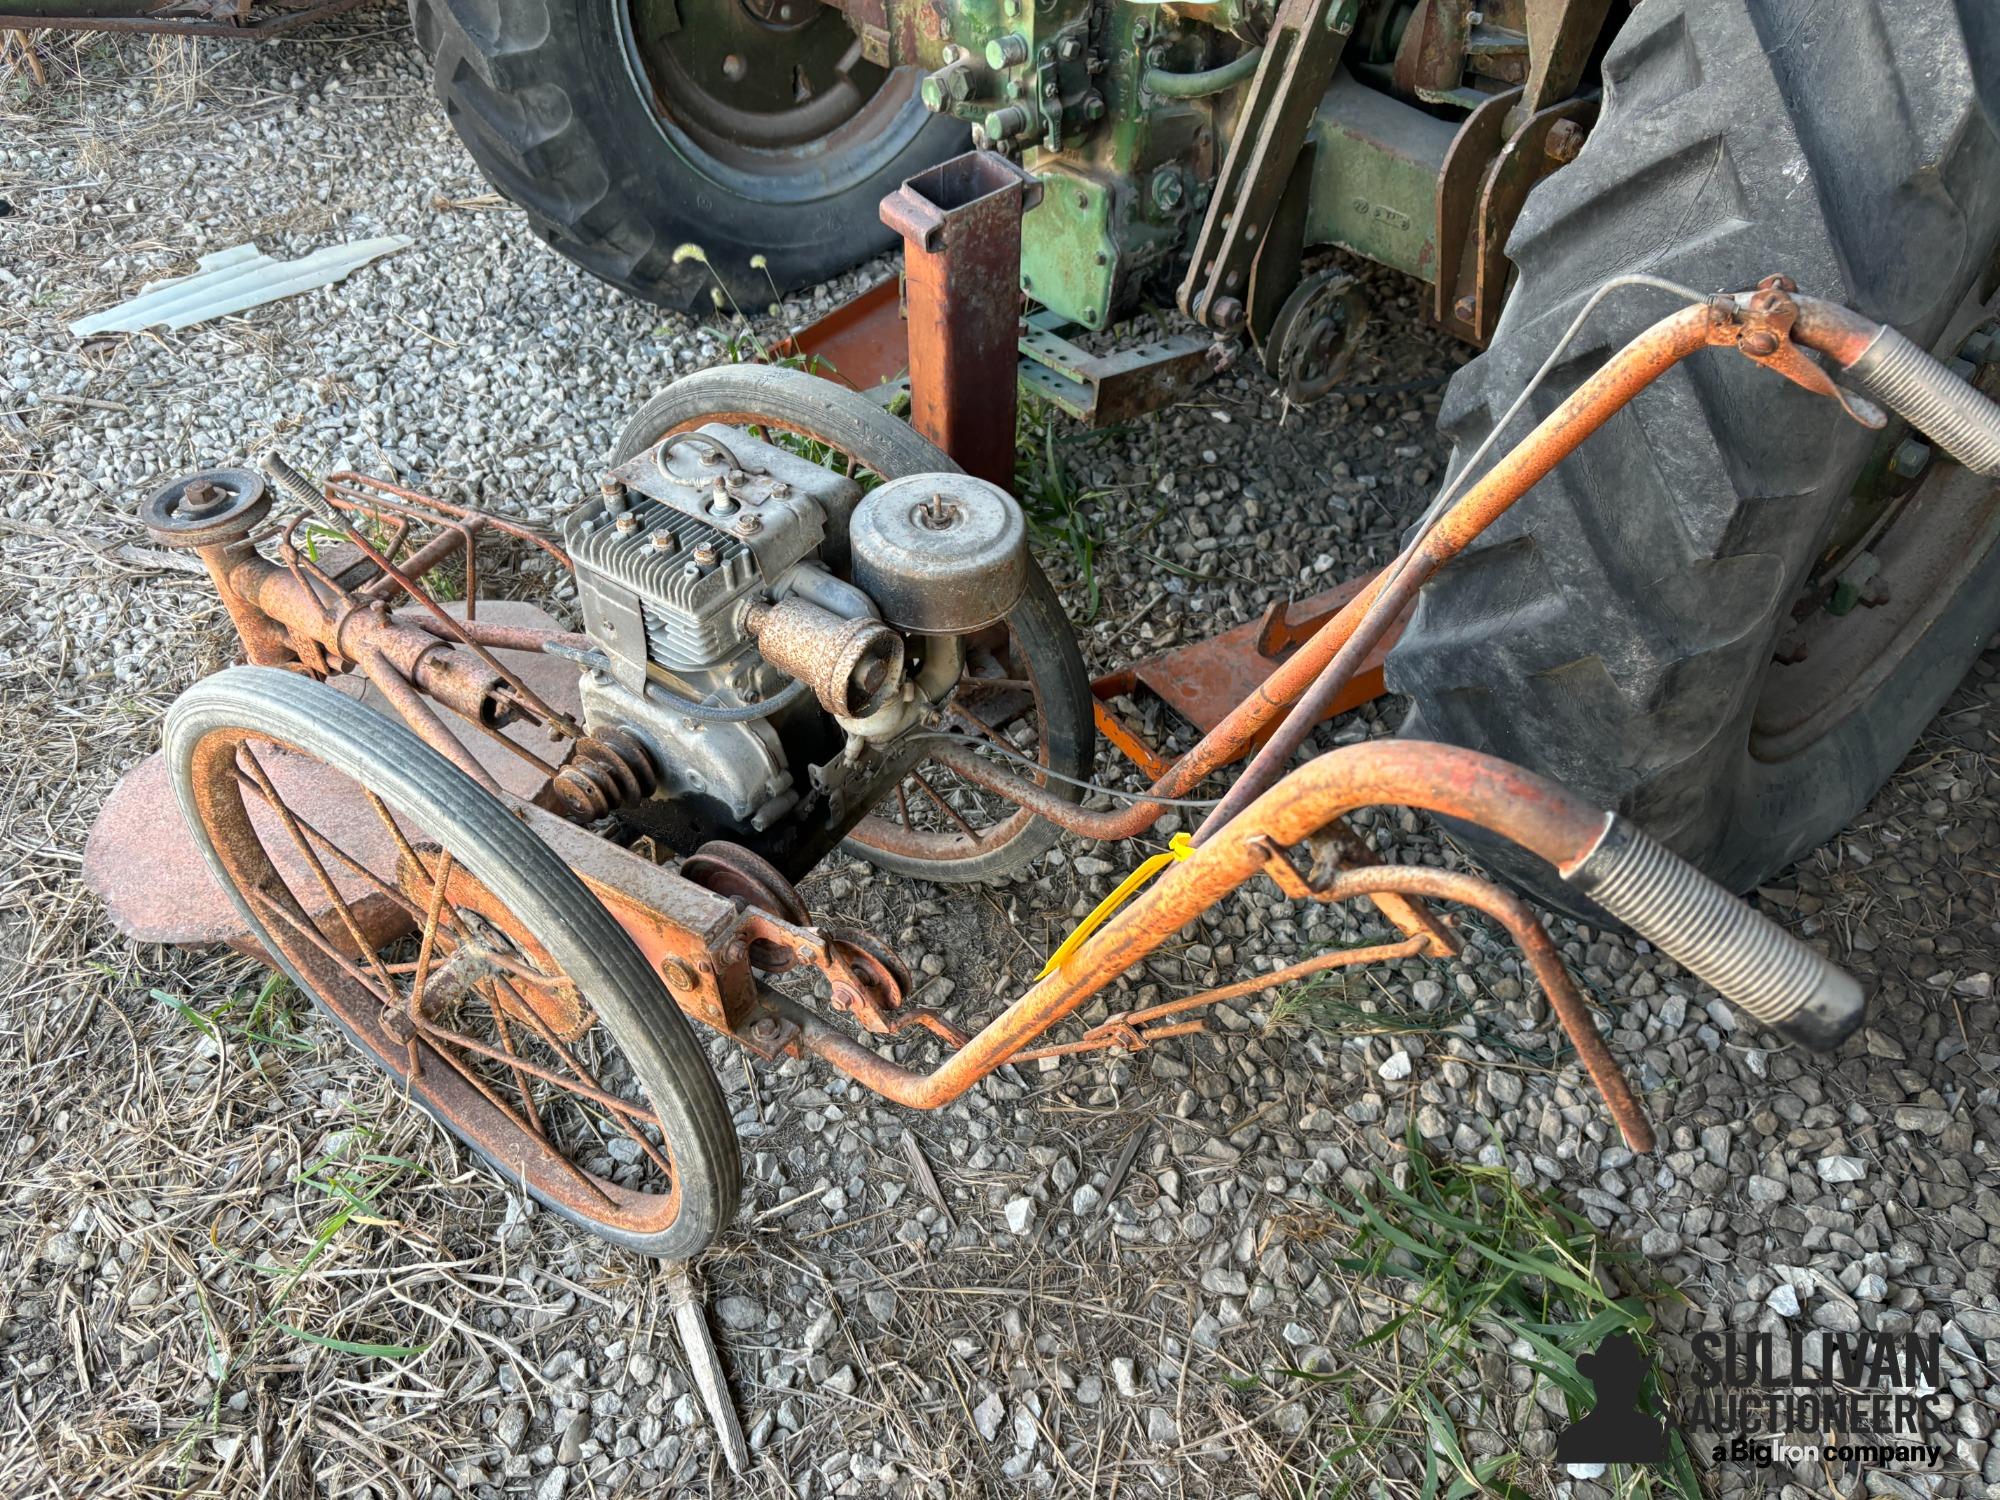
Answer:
(512, 861)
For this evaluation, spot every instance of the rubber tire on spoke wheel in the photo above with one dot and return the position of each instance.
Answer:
(1615, 629)
(500, 852)
(745, 395)
(560, 107)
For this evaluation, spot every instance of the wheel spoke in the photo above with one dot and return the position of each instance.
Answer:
(521, 1075)
(438, 883)
(434, 1035)
(347, 860)
(361, 945)
(321, 941)
(951, 812)
(436, 921)
(990, 731)
(608, 1101)
(591, 1088)
(463, 992)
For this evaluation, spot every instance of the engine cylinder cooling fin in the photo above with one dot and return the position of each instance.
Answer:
(684, 573)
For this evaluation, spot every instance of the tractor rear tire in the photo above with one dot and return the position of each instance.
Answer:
(632, 134)
(1616, 629)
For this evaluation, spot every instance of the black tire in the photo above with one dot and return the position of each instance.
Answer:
(744, 394)
(1615, 630)
(425, 790)
(557, 105)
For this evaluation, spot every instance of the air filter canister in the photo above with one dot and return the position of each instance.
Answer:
(940, 554)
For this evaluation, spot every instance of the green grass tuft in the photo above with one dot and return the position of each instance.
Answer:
(1466, 1267)
(1342, 1001)
(1056, 510)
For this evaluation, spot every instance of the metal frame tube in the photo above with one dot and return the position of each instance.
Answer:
(961, 228)
(1527, 809)
(1586, 409)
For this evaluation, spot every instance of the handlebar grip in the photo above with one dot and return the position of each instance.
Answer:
(1926, 394)
(1748, 958)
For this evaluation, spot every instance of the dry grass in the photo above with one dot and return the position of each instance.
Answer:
(281, 1280)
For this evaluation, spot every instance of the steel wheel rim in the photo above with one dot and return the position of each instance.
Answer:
(451, 1068)
(889, 835)
(1928, 540)
(1928, 554)
(857, 118)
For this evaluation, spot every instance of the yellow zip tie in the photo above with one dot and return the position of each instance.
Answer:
(1178, 849)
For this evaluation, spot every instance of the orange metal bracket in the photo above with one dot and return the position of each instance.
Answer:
(1204, 680)
(861, 344)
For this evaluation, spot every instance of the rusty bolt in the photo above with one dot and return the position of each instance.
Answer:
(1759, 342)
(706, 556)
(1228, 314)
(749, 526)
(665, 540)
(1779, 283)
(203, 497)
(1564, 141)
(678, 975)
(765, 1029)
(1464, 308)
(627, 523)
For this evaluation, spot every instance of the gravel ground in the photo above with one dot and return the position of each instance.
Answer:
(188, 1214)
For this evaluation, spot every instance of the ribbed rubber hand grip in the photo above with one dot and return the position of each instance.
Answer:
(299, 489)
(1927, 395)
(1749, 959)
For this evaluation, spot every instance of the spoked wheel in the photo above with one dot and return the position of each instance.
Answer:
(457, 952)
(1023, 684)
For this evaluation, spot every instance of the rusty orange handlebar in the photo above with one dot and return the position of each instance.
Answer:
(1464, 784)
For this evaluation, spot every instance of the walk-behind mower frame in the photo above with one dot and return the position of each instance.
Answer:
(714, 926)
